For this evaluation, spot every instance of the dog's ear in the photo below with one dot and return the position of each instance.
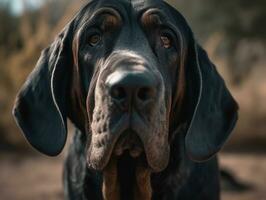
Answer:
(208, 113)
(40, 107)
(212, 110)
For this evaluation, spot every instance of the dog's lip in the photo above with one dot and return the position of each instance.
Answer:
(128, 141)
(98, 157)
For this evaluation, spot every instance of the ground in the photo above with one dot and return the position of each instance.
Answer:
(39, 177)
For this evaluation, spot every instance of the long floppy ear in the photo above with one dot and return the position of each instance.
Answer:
(212, 109)
(40, 107)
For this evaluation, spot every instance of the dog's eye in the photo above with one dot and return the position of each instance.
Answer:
(94, 39)
(166, 41)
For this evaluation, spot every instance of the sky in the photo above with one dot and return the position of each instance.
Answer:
(18, 5)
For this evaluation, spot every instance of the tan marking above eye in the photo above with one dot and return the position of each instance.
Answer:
(150, 20)
(110, 21)
(166, 42)
(94, 39)
(151, 17)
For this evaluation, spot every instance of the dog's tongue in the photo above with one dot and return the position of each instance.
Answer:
(126, 178)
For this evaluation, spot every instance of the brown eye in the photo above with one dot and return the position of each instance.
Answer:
(94, 39)
(166, 41)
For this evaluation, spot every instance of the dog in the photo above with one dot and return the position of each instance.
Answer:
(149, 108)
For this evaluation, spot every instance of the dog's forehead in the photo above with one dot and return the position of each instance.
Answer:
(143, 3)
(135, 4)
(130, 9)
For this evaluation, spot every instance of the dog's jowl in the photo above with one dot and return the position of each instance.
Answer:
(149, 108)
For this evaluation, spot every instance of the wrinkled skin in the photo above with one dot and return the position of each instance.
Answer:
(145, 127)
(113, 126)
(147, 104)
(108, 120)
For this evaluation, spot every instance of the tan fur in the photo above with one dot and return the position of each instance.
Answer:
(110, 186)
(143, 190)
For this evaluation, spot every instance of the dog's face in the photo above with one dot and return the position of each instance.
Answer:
(134, 81)
(128, 74)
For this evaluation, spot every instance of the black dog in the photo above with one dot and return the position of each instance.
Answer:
(148, 105)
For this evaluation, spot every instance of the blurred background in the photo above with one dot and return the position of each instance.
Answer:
(233, 33)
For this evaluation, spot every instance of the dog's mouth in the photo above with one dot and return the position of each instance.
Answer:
(130, 143)
(131, 135)
(127, 148)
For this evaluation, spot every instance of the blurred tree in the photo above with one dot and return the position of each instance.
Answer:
(242, 24)
(9, 37)
(22, 37)
(238, 23)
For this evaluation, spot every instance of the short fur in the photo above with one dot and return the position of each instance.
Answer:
(197, 110)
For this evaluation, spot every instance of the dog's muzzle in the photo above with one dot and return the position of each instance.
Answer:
(129, 116)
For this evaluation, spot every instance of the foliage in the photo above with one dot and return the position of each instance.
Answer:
(240, 23)
(21, 40)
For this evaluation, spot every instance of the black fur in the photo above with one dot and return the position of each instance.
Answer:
(62, 82)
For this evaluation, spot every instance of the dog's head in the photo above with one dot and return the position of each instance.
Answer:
(127, 74)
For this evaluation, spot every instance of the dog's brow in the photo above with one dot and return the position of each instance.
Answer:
(152, 17)
(113, 13)
(109, 17)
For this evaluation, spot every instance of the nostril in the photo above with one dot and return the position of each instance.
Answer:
(145, 93)
(118, 93)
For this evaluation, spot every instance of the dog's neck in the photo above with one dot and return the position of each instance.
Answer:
(126, 179)
(159, 184)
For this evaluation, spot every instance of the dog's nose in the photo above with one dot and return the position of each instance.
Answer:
(129, 88)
